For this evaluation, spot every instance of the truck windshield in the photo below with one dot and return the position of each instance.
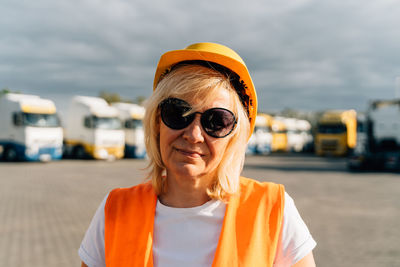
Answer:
(294, 132)
(133, 124)
(331, 128)
(106, 123)
(262, 128)
(40, 120)
(280, 131)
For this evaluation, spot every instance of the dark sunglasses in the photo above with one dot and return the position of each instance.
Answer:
(216, 122)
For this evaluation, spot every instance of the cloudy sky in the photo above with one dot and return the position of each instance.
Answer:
(302, 54)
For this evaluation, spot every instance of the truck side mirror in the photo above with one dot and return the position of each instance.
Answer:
(18, 119)
(128, 124)
(88, 122)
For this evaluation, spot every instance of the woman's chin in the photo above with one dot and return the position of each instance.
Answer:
(187, 172)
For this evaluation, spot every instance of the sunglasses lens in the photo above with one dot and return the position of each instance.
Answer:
(218, 122)
(173, 112)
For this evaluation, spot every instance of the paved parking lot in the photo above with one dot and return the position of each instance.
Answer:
(46, 208)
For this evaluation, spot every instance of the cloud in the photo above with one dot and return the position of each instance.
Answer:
(300, 53)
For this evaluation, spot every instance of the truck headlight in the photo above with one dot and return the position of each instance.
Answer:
(59, 150)
(31, 150)
(102, 153)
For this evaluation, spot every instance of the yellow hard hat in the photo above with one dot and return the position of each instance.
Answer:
(219, 54)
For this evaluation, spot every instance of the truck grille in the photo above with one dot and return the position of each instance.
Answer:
(46, 150)
(329, 145)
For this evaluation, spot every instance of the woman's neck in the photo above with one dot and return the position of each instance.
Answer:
(185, 195)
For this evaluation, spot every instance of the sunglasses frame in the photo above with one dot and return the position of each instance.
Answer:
(193, 114)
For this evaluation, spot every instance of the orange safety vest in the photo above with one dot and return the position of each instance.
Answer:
(249, 233)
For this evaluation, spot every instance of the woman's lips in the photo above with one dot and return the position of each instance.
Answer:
(190, 153)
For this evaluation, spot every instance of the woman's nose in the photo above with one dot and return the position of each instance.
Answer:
(194, 132)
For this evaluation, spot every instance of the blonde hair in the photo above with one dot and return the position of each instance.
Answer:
(197, 82)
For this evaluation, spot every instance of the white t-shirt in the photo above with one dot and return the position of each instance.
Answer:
(189, 236)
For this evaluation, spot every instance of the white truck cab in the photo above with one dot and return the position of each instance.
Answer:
(93, 130)
(29, 128)
(299, 136)
(261, 139)
(294, 138)
(131, 116)
(307, 139)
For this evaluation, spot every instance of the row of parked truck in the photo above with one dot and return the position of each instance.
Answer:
(279, 134)
(30, 129)
(369, 140)
(335, 134)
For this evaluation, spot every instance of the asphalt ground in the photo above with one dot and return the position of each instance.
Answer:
(45, 209)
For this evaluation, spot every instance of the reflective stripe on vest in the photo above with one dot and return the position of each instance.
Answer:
(249, 234)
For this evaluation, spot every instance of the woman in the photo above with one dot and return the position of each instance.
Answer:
(197, 210)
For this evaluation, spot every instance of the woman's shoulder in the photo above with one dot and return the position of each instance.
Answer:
(142, 188)
(129, 198)
(146, 185)
(253, 184)
(264, 193)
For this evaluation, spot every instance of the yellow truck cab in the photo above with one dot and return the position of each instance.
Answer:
(279, 136)
(336, 133)
(261, 139)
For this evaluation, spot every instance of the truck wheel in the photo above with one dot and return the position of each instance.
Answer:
(66, 151)
(79, 152)
(10, 154)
